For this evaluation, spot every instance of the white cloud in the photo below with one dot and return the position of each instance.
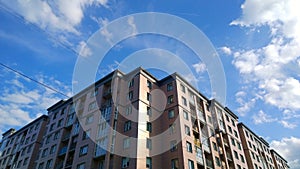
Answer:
(55, 16)
(287, 124)
(266, 67)
(226, 50)
(245, 105)
(289, 148)
(21, 101)
(132, 25)
(83, 49)
(262, 117)
(199, 67)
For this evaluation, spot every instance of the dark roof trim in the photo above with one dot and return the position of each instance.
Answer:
(273, 151)
(260, 138)
(231, 113)
(42, 117)
(8, 131)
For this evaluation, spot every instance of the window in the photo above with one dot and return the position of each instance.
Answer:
(54, 116)
(52, 127)
(215, 146)
(174, 164)
(128, 110)
(236, 134)
(232, 141)
(29, 148)
(230, 130)
(126, 143)
(169, 87)
(45, 152)
(218, 162)
(185, 115)
(172, 128)
(131, 83)
(236, 155)
(187, 130)
(191, 164)
(227, 118)
(149, 143)
(80, 166)
(25, 162)
(94, 93)
(149, 97)
(92, 106)
(171, 114)
(149, 162)
(183, 101)
(170, 99)
(250, 145)
(189, 147)
(83, 150)
(149, 127)
(86, 134)
(149, 111)
(149, 84)
(247, 134)
(232, 122)
(209, 119)
(173, 145)
(130, 95)
(59, 123)
(182, 88)
(47, 139)
(89, 119)
(41, 166)
(56, 135)
(127, 125)
(102, 127)
(53, 149)
(49, 164)
(239, 167)
(33, 137)
(239, 146)
(242, 158)
(125, 162)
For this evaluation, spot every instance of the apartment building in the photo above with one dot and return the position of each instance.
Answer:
(136, 121)
(279, 161)
(19, 149)
(257, 150)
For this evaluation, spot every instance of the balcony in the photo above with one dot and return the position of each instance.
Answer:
(99, 152)
(199, 160)
(66, 137)
(209, 164)
(206, 147)
(229, 157)
(197, 142)
(63, 151)
(107, 94)
(201, 116)
(195, 128)
(72, 147)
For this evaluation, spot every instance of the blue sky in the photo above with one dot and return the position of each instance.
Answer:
(258, 44)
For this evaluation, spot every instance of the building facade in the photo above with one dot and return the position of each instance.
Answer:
(19, 149)
(136, 121)
(257, 150)
(279, 162)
